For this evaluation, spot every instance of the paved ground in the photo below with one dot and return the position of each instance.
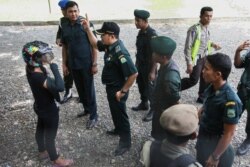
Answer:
(91, 148)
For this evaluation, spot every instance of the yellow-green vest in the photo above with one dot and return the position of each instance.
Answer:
(197, 43)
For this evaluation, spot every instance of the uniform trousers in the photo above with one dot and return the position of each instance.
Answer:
(84, 82)
(119, 115)
(206, 145)
(194, 77)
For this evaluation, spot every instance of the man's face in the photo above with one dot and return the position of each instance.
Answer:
(139, 23)
(206, 17)
(209, 74)
(106, 38)
(73, 13)
(156, 57)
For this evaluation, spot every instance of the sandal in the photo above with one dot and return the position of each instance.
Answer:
(61, 162)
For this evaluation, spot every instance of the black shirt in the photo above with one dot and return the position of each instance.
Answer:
(44, 100)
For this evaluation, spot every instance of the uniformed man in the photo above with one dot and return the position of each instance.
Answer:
(180, 122)
(168, 82)
(244, 90)
(82, 60)
(219, 114)
(68, 79)
(119, 73)
(144, 62)
(197, 47)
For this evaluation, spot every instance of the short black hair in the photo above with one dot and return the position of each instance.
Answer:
(172, 138)
(70, 4)
(220, 62)
(205, 9)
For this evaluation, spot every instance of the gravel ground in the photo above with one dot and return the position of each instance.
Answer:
(92, 148)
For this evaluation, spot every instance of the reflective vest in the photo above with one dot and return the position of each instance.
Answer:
(197, 43)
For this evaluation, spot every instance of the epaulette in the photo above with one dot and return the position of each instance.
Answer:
(117, 49)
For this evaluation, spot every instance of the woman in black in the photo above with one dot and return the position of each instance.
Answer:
(45, 91)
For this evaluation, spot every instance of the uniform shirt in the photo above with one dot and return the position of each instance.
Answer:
(118, 65)
(59, 31)
(168, 149)
(220, 107)
(245, 78)
(144, 52)
(168, 84)
(190, 40)
(78, 45)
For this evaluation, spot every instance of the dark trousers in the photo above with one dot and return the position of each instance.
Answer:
(119, 115)
(158, 133)
(246, 106)
(145, 87)
(46, 131)
(206, 145)
(194, 77)
(68, 79)
(84, 82)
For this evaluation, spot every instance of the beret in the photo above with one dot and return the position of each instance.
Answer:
(163, 45)
(142, 14)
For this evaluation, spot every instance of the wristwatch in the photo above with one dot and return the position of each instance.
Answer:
(215, 158)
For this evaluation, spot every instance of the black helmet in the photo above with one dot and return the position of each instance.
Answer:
(34, 51)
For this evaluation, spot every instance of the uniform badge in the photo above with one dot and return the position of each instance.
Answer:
(117, 48)
(123, 60)
(230, 113)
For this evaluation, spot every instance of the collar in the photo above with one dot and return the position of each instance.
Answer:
(77, 21)
(111, 47)
(171, 150)
(145, 31)
(219, 91)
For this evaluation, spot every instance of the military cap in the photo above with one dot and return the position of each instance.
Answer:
(109, 28)
(163, 45)
(142, 14)
(180, 119)
(62, 3)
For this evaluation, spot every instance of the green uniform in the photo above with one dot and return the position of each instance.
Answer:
(166, 94)
(220, 107)
(244, 88)
(144, 62)
(118, 66)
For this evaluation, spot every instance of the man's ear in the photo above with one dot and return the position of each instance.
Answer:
(194, 136)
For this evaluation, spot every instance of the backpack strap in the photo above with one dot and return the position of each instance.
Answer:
(183, 161)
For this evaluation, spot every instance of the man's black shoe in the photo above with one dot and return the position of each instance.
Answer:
(121, 150)
(149, 116)
(141, 106)
(244, 147)
(112, 132)
(67, 96)
(82, 114)
(199, 100)
(91, 123)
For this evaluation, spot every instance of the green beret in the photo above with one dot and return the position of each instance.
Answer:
(142, 14)
(163, 45)
(180, 119)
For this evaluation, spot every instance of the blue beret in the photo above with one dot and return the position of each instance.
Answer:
(142, 14)
(162, 45)
(62, 3)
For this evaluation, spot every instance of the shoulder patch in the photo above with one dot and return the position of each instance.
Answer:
(117, 49)
(231, 113)
(230, 103)
(122, 59)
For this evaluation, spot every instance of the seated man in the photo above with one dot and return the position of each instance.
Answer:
(180, 123)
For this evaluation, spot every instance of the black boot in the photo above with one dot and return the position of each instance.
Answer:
(67, 96)
(149, 116)
(244, 147)
(141, 106)
(122, 148)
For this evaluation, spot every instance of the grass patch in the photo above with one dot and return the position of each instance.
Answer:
(164, 4)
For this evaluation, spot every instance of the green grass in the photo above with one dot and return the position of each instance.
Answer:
(164, 4)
